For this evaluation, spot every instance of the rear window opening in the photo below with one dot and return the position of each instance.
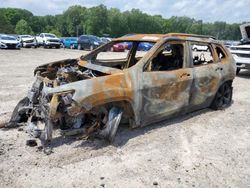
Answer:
(201, 54)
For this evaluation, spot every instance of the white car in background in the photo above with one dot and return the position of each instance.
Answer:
(241, 55)
(199, 48)
(241, 52)
(9, 42)
(27, 41)
(48, 40)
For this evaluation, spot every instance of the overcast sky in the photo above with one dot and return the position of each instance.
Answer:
(207, 10)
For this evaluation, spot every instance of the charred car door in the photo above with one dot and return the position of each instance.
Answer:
(207, 75)
(166, 83)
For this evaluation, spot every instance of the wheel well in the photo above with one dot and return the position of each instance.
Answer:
(230, 82)
(126, 106)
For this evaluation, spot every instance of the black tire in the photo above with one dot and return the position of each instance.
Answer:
(195, 49)
(111, 127)
(223, 97)
(58, 47)
(237, 71)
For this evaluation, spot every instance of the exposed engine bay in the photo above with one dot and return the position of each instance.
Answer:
(42, 111)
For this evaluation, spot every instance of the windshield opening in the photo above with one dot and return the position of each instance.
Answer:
(119, 54)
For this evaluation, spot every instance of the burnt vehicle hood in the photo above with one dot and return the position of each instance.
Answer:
(82, 63)
(99, 68)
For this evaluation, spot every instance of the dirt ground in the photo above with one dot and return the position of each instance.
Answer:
(203, 149)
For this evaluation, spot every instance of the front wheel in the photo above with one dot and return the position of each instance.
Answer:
(223, 97)
(114, 118)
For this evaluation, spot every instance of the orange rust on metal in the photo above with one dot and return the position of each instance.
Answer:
(112, 88)
(158, 37)
(141, 37)
(82, 62)
(53, 106)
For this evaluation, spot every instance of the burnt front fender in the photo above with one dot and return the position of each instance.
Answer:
(96, 91)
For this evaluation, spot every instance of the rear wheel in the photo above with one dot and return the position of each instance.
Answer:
(237, 71)
(223, 97)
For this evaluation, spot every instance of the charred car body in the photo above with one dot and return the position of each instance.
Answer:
(95, 93)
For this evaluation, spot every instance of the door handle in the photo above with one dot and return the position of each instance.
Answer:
(185, 74)
(219, 69)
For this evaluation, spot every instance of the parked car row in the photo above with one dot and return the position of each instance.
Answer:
(49, 40)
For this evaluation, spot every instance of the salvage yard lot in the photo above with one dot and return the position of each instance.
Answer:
(202, 149)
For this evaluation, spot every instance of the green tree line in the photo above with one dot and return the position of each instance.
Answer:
(100, 20)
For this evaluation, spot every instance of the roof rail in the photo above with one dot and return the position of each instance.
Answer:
(192, 35)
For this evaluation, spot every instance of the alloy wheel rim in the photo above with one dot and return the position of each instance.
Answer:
(224, 96)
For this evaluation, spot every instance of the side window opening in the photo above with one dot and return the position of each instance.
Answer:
(201, 54)
(170, 57)
(220, 53)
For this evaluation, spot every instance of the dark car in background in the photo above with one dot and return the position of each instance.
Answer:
(70, 42)
(143, 46)
(106, 39)
(89, 42)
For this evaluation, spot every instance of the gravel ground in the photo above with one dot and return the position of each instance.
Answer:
(202, 149)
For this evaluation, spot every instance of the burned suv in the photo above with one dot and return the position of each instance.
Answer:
(92, 95)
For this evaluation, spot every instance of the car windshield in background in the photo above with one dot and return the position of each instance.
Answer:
(7, 38)
(50, 35)
(97, 39)
(26, 36)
